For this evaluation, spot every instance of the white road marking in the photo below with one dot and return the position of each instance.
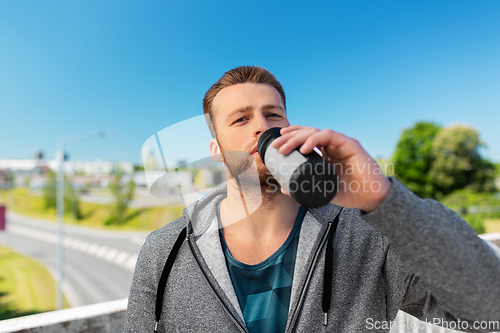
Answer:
(102, 251)
(45, 237)
(138, 240)
(92, 249)
(123, 258)
(111, 254)
(39, 235)
(75, 244)
(130, 264)
(83, 247)
(68, 241)
(52, 239)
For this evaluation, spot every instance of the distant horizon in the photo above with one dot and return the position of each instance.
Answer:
(199, 151)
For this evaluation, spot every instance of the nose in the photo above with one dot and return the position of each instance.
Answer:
(261, 124)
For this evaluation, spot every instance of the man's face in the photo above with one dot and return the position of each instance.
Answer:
(242, 113)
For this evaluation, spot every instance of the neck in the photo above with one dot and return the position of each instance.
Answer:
(257, 215)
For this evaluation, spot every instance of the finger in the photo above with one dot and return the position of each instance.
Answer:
(278, 142)
(319, 139)
(288, 134)
(294, 139)
(284, 131)
(336, 144)
(290, 128)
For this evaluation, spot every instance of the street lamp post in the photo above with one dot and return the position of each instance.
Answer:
(60, 206)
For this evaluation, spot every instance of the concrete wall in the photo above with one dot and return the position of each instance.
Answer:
(97, 318)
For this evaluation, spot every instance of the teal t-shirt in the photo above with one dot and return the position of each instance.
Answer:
(264, 289)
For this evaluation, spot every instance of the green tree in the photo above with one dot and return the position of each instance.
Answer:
(457, 162)
(50, 190)
(138, 167)
(413, 158)
(71, 199)
(476, 221)
(123, 194)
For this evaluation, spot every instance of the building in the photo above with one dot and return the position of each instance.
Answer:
(33, 172)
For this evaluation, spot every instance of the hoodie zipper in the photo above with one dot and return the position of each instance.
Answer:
(308, 279)
(233, 318)
(302, 293)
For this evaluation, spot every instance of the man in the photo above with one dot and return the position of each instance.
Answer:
(279, 267)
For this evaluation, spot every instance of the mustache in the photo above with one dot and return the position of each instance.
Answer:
(252, 146)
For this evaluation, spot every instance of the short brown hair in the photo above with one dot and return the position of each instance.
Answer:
(242, 74)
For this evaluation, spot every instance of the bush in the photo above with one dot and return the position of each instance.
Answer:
(476, 221)
(123, 193)
(469, 197)
(71, 199)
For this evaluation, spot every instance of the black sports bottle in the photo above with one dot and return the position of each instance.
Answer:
(310, 180)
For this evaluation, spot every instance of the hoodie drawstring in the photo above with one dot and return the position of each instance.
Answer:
(328, 273)
(164, 275)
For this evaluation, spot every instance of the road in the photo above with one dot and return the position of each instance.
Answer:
(99, 264)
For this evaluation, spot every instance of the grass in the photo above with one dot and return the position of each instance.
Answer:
(26, 287)
(147, 219)
(20, 201)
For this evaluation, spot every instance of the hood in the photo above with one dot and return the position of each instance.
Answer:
(202, 228)
(201, 213)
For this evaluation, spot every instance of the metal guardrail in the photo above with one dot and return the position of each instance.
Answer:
(493, 237)
(478, 209)
(97, 318)
(109, 317)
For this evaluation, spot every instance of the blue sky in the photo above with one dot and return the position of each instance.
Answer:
(368, 69)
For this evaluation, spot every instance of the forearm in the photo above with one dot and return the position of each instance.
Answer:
(460, 269)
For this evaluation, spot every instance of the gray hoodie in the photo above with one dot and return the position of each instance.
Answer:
(409, 254)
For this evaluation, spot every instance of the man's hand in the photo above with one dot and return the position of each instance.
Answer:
(362, 184)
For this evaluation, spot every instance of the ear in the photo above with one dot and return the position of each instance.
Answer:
(215, 150)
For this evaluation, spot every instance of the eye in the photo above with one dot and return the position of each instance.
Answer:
(274, 115)
(238, 120)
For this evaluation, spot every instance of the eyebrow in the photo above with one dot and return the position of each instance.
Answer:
(249, 108)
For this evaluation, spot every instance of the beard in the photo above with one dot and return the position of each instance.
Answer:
(250, 177)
